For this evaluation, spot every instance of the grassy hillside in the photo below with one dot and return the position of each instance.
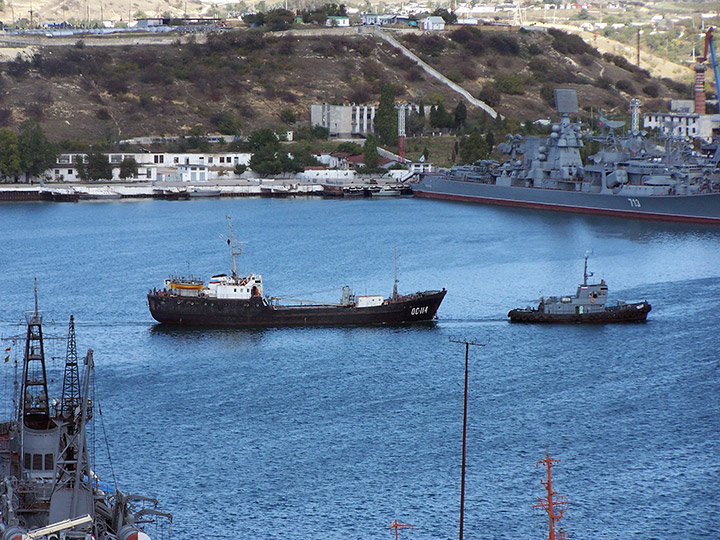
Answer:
(239, 81)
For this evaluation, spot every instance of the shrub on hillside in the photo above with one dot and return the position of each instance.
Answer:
(625, 86)
(652, 90)
(504, 44)
(677, 86)
(432, 44)
(509, 84)
(490, 95)
(570, 44)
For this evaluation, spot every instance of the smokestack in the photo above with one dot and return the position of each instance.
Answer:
(699, 89)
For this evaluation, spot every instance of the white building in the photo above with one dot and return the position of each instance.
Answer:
(432, 24)
(337, 20)
(682, 121)
(195, 167)
(344, 120)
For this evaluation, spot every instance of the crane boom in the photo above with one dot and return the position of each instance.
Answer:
(710, 46)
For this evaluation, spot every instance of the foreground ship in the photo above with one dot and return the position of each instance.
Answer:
(239, 301)
(47, 488)
(587, 306)
(623, 180)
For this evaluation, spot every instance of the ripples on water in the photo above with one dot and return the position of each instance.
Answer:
(332, 432)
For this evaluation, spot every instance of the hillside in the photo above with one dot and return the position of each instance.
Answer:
(239, 81)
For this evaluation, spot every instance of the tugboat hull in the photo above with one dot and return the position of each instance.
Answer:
(255, 312)
(616, 314)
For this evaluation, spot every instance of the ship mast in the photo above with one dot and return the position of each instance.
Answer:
(586, 275)
(34, 410)
(395, 279)
(71, 379)
(235, 249)
(554, 508)
(395, 525)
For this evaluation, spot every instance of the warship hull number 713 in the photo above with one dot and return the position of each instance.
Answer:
(628, 178)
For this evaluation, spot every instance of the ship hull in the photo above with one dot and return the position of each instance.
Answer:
(616, 314)
(255, 313)
(702, 208)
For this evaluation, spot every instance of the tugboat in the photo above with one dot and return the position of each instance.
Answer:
(587, 306)
(239, 301)
(47, 488)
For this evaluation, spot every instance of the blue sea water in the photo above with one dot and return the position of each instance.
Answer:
(330, 433)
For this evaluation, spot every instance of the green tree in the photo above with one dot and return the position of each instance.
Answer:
(287, 116)
(473, 147)
(460, 115)
(128, 168)
(80, 166)
(349, 147)
(386, 116)
(268, 156)
(448, 17)
(240, 168)
(279, 19)
(9, 154)
(370, 153)
(97, 167)
(37, 154)
(440, 117)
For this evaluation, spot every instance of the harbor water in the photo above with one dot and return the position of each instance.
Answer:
(328, 433)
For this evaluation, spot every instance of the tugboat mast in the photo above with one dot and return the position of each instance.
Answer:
(554, 508)
(586, 275)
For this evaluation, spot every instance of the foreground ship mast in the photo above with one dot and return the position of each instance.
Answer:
(555, 508)
(47, 488)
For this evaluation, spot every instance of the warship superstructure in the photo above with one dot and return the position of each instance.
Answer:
(588, 305)
(47, 487)
(548, 173)
(238, 301)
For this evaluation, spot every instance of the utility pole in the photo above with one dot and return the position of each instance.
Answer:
(464, 435)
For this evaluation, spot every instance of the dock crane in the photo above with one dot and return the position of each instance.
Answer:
(710, 46)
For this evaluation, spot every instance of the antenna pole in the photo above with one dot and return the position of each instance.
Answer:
(464, 435)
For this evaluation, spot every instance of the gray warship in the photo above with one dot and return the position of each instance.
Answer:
(632, 179)
(587, 306)
(47, 488)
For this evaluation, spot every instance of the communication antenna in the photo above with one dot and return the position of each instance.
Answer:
(467, 343)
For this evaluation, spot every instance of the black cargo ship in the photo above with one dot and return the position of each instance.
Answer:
(239, 301)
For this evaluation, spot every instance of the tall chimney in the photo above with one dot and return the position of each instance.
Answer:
(699, 89)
